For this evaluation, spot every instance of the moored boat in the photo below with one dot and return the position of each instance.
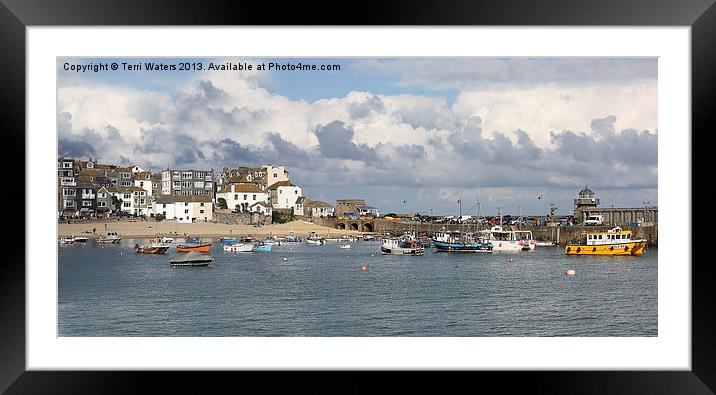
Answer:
(261, 246)
(228, 240)
(395, 246)
(504, 240)
(80, 239)
(345, 246)
(191, 258)
(314, 239)
(612, 242)
(156, 247)
(206, 247)
(110, 237)
(239, 247)
(458, 242)
(167, 240)
(67, 240)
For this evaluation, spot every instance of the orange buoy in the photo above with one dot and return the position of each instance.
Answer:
(363, 268)
(509, 260)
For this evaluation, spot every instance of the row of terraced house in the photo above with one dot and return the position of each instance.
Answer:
(88, 189)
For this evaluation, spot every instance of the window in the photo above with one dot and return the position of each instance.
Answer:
(86, 203)
(275, 175)
(141, 201)
(236, 197)
(245, 197)
(127, 196)
(127, 204)
(186, 211)
(67, 165)
(201, 211)
(296, 191)
(254, 197)
(202, 205)
(101, 204)
(186, 204)
(141, 183)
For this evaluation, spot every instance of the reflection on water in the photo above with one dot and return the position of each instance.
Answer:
(321, 291)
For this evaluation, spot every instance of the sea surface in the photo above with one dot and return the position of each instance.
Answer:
(321, 291)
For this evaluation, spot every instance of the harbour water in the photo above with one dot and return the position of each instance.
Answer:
(322, 291)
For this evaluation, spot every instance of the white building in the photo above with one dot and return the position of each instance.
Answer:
(261, 207)
(242, 195)
(284, 195)
(274, 174)
(318, 209)
(298, 208)
(144, 181)
(134, 200)
(185, 209)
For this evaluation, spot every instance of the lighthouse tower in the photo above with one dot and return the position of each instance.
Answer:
(586, 199)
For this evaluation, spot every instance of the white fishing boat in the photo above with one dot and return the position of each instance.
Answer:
(80, 239)
(314, 239)
(239, 247)
(167, 240)
(395, 246)
(344, 246)
(545, 243)
(67, 240)
(508, 240)
(110, 237)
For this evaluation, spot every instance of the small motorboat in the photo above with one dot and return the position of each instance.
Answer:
(239, 247)
(191, 258)
(545, 243)
(261, 246)
(228, 240)
(153, 248)
(110, 237)
(345, 246)
(397, 246)
(67, 240)
(272, 242)
(167, 240)
(80, 239)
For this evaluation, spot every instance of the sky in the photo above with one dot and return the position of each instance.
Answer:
(409, 135)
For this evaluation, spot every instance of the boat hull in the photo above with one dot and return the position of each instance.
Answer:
(401, 251)
(263, 248)
(151, 250)
(200, 248)
(460, 247)
(239, 248)
(631, 248)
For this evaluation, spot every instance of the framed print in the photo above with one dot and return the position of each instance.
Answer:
(441, 195)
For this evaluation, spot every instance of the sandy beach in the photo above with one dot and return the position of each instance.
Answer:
(205, 229)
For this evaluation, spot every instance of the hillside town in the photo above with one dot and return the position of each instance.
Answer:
(88, 189)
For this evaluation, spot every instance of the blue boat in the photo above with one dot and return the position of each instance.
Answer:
(228, 240)
(193, 239)
(260, 246)
(457, 242)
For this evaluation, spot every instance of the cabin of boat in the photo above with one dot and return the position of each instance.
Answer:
(612, 242)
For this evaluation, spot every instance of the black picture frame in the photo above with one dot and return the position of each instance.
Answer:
(16, 15)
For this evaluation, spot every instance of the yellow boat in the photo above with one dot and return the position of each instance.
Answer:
(612, 242)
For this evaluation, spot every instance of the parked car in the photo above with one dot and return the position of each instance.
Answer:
(594, 220)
